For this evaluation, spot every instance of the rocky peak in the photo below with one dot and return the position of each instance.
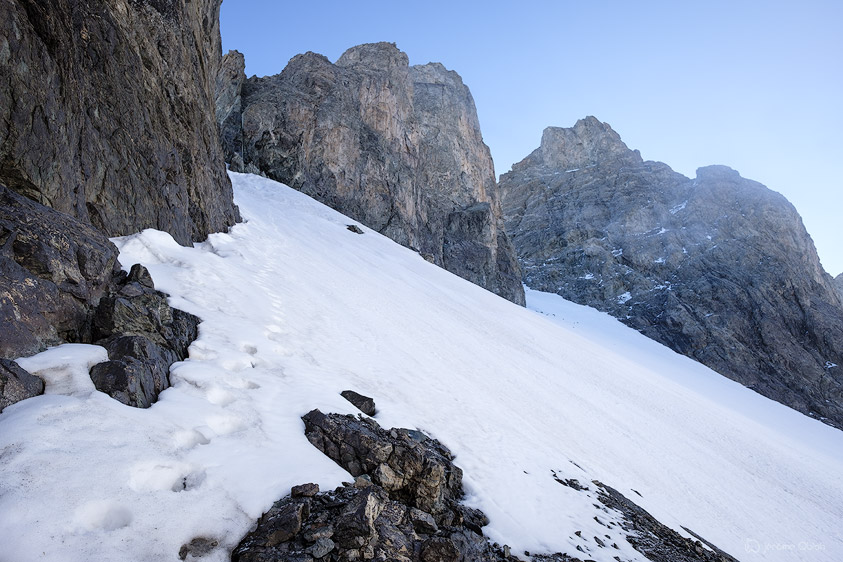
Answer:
(383, 57)
(395, 147)
(718, 268)
(587, 143)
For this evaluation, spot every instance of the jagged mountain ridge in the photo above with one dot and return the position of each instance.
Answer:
(394, 146)
(718, 268)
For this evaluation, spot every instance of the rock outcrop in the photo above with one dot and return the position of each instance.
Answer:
(395, 147)
(106, 113)
(17, 384)
(404, 505)
(54, 270)
(718, 268)
(838, 284)
(143, 336)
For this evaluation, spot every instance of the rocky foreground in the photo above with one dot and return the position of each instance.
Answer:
(718, 268)
(394, 146)
(405, 505)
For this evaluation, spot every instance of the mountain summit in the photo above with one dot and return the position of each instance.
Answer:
(394, 146)
(718, 268)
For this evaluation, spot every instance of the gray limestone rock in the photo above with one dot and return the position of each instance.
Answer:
(838, 284)
(229, 107)
(718, 268)
(107, 113)
(395, 147)
(17, 384)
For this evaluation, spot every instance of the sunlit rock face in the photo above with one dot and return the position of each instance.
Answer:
(394, 146)
(718, 267)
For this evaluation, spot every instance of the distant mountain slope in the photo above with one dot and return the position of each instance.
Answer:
(718, 268)
(296, 308)
(396, 147)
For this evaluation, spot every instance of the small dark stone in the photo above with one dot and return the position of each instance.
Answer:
(423, 522)
(321, 548)
(304, 490)
(355, 229)
(286, 523)
(362, 403)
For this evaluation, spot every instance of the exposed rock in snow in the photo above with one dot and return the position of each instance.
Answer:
(362, 403)
(143, 336)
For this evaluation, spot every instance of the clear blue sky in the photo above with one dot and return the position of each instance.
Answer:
(755, 85)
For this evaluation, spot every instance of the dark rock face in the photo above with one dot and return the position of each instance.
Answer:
(718, 268)
(53, 272)
(17, 384)
(106, 113)
(143, 336)
(395, 147)
(229, 106)
(838, 284)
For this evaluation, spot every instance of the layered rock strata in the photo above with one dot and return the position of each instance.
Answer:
(718, 268)
(395, 147)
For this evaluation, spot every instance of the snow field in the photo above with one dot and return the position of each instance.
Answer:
(296, 308)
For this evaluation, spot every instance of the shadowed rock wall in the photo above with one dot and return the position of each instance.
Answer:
(107, 113)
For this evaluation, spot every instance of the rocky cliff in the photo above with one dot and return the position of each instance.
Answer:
(106, 128)
(105, 113)
(395, 147)
(718, 268)
(838, 284)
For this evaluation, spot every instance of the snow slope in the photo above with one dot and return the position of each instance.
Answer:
(296, 308)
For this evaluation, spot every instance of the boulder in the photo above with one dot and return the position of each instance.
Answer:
(54, 270)
(143, 335)
(362, 403)
(17, 384)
